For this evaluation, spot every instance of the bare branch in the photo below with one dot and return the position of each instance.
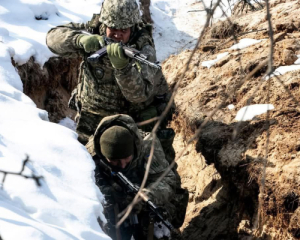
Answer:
(140, 124)
(36, 178)
(259, 221)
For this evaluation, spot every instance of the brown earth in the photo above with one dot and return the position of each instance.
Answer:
(50, 87)
(224, 173)
(145, 8)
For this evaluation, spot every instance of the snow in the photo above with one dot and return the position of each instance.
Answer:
(211, 63)
(68, 203)
(160, 230)
(68, 122)
(21, 30)
(284, 69)
(230, 106)
(249, 112)
(298, 60)
(244, 43)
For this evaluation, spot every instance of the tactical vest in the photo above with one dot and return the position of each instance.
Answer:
(99, 91)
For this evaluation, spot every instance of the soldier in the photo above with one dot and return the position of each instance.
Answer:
(115, 84)
(118, 143)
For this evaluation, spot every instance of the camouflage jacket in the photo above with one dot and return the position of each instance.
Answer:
(160, 194)
(103, 90)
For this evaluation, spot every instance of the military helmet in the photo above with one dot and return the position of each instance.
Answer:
(120, 14)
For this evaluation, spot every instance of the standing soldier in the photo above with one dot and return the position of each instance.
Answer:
(115, 83)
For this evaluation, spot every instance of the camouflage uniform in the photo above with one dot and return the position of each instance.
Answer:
(167, 193)
(136, 90)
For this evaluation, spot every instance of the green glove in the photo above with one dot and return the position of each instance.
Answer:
(116, 56)
(90, 43)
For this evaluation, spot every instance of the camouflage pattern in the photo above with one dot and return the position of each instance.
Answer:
(164, 194)
(103, 90)
(120, 14)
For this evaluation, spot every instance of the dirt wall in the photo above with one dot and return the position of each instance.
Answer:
(224, 168)
(50, 86)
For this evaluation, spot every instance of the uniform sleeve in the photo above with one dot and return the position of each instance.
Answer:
(137, 81)
(165, 190)
(105, 187)
(61, 40)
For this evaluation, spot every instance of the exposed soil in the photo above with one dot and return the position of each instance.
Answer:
(223, 169)
(50, 87)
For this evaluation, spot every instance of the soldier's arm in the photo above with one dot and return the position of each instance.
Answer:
(165, 189)
(104, 185)
(61, 40)
(137, 80)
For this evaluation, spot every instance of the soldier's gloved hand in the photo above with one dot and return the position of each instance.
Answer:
(117, 56)
(118, 193)
(90, 43)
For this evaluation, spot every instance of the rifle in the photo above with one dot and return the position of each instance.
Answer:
(133, 190)
(129, 52)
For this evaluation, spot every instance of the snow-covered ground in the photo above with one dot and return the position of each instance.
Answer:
(251, 111)
(178, 24)
(67, 203)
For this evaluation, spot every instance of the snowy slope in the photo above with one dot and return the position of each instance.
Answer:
(68, 203)
(178, 24)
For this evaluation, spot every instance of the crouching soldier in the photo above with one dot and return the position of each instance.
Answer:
(118, 146)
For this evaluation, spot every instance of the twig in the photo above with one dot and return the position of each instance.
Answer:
(259, 221)
(151, 120)
(196, 10)
(33, 176)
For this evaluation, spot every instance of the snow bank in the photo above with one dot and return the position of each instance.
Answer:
(68, 203)
(28, 21)
(249, 112)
